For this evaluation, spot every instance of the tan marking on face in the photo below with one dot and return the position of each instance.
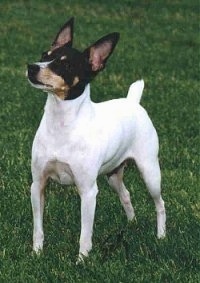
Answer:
(47, 77)
(63, 57)
(61, 93)
(49, 52)
(75, 81)
(56, 83)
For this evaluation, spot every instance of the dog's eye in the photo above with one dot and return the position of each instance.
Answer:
(67, 66)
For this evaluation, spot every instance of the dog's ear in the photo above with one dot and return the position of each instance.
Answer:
(99, 52)
(64, 36)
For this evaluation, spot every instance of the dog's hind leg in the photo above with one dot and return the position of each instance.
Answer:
(37, 201)
(150, 170)
(115, 180)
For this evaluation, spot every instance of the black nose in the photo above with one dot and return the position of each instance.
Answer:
(33, 70)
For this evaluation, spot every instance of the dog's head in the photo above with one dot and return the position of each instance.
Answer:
(65, 71)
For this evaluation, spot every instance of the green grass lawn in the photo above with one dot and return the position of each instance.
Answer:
(160, 43)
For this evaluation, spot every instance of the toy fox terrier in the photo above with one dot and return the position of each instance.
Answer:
(77, 139)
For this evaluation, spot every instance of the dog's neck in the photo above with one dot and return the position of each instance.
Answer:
(63, 113)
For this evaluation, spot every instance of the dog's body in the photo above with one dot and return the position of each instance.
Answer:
(77, 140)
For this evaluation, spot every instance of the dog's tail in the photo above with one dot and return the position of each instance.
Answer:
(135, 91)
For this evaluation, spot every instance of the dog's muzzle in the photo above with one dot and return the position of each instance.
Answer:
(33, 70)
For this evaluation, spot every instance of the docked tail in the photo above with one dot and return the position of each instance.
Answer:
(135, 91)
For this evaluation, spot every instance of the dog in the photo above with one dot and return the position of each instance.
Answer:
(77, 139)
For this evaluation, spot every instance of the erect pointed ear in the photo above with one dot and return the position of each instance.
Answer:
(99, 52)
(64, 36)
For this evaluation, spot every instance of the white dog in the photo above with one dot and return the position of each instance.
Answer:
(78, 139)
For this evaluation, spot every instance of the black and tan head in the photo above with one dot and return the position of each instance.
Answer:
(65, 71)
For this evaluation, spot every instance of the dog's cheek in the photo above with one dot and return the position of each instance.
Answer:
(46, 76)
(63, 90)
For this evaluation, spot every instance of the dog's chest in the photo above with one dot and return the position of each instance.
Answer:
(59, 171)
(52, 158)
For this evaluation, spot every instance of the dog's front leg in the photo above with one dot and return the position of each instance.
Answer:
(88, 204)
(37, 201)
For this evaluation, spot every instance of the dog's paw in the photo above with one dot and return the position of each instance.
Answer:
(161, 235)
(132, 218)
(37, 253)
(37, 249)
(81, 259)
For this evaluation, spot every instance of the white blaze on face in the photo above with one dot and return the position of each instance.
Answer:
(43, 65)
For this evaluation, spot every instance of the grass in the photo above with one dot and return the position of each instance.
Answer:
(159, 42)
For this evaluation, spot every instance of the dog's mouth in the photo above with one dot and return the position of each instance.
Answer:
(40, 85)
(31, 74)
(39, 77)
